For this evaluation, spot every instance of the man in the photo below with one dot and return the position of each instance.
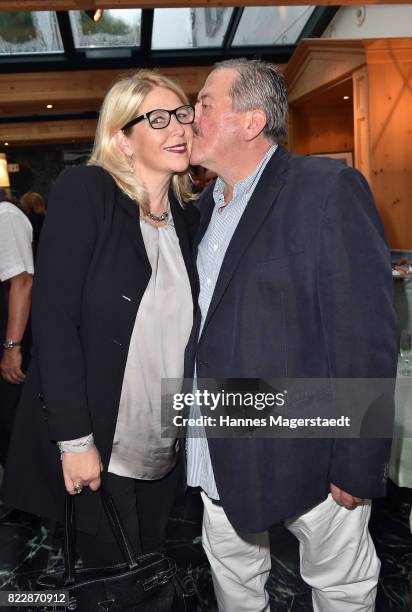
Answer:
(295, 281)
(16, 278)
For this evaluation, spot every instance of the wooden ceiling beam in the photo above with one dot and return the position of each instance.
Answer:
(68, 90)
(43, 132)
(65, 5)
(72, 91)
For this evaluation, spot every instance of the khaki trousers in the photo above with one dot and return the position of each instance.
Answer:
(337, 559)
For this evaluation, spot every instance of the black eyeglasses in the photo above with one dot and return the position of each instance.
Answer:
(160, 118)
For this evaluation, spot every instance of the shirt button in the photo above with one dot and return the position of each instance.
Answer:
(215, 247)
(208, 281)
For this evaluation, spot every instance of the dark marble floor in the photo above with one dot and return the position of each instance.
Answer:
(28, 548)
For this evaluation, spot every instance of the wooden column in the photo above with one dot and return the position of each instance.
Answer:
(361, 121)
(381, 75)
(390, 133)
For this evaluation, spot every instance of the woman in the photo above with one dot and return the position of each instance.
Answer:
(112, 312)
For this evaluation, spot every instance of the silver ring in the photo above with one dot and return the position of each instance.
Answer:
(78, 488)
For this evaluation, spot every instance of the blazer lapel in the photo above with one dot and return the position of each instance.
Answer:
(130, 207)
(258, 207)
(206, 206)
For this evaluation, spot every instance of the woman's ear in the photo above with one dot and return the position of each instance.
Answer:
(122, 142)
(255, 123)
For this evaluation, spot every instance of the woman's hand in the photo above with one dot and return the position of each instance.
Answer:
(82, 469)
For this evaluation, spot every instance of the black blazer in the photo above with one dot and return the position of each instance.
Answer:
(305, 291)
(91, 273)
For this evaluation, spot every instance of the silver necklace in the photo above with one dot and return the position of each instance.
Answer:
(153, 217)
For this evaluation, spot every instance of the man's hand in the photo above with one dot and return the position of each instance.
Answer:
(344, 499)
(10, 366)
(82, 469)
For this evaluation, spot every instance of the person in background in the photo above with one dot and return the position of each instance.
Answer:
(34, 206)
(295, 282)
(112, 313)
(16, 279)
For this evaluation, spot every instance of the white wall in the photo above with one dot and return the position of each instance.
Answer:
(371, 21)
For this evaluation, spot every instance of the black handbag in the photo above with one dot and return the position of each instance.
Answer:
(146, 583)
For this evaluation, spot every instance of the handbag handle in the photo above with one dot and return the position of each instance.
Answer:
(120, 534)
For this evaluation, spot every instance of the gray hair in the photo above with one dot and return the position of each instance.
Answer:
(260, 85)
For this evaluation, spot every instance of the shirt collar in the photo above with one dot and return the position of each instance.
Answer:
(245, 185)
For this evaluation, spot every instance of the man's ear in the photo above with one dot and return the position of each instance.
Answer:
(255, 123)
(122, 142)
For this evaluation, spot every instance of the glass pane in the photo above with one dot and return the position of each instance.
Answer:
(187, 28)
(24, 32)
(274, 25)
(117, 28)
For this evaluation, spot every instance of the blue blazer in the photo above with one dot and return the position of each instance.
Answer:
(305, 291)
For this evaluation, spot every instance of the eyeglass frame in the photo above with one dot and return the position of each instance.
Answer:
(171, 113)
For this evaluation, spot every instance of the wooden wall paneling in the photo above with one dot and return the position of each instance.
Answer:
(382, 91)
(390, 104)
(319, 63)
(290, 144)
(322, 130)
(361, 121)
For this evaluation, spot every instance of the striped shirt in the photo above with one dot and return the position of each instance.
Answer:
(212, 250)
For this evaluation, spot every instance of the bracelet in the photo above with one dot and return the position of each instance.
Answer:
(80, 445)
(9, 344)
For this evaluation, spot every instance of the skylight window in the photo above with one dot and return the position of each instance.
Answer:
(117, 28)
(274, 25)
(189, 28)
(28, 33)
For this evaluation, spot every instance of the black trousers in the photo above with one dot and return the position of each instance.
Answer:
(143, 505)
(9, 398)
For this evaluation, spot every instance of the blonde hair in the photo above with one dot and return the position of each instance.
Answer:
(33, 202)
(120, 105)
